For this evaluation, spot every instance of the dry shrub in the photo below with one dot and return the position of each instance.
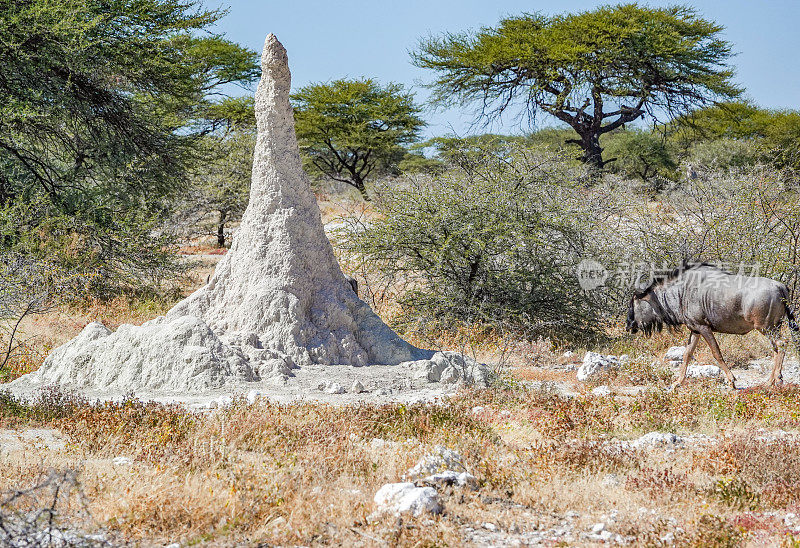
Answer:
(769, 468)
(124, 309)
(48, 405)
(714, 531)
(29, 357)
(707, 531)
(147, 431)
(642, 371)
(735, 493)
(32, 515)
(583, 455)
(662, 484)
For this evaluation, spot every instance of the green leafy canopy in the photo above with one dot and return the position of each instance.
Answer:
(595, 70)
(351, 129)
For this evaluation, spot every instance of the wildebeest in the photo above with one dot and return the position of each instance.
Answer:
(707, 299)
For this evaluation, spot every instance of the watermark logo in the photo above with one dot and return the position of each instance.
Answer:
(591, 274)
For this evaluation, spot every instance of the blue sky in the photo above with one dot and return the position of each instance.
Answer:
(330, 39)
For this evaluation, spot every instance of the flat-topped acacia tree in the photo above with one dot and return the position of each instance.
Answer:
(594, 70)
(350, 130)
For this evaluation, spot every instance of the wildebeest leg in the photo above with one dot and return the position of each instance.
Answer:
(694, 338)
(778, 352)
(708, 335)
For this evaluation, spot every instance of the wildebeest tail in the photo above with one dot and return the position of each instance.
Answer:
(794, 330)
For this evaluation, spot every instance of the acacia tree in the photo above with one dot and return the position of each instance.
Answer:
(220, 187)
(595, 70)
(102, 105)
(350, 130)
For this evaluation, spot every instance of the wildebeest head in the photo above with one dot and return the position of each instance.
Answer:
(642, 316)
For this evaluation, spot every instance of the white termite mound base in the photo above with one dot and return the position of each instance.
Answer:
(277, 301)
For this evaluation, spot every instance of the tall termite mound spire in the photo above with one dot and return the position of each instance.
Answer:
(281, 281)
(277, 300)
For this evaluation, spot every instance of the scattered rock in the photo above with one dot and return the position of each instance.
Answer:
(601, 390)
(611, 480)
(450, 477)
(451, 368)
(121, 461)
(703, 371)
(330, 387)
(594, 363)
(441, 460)
(357, 388)
(253, 396)
(675, 354)
(657, 439)
(400, 498)
(490, 526)
(598, 528)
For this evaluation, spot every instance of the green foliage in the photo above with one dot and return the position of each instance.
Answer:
(350, 130)
(220, 187)
(615, 62)
(775, 132)
(641, 154)
(109, 251)
(725, 153)
(101, 106)
(494, 243)
(736, 493)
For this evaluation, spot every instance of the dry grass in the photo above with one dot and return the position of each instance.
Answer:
(305, 474)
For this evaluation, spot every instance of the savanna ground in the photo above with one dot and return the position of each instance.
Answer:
(550, 468)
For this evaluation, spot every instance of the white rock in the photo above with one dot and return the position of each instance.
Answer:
(478, 409)
(606, 535)
(224, 401)
(593, 363)
(657, 439)
(400, 498)
(357, 388)
(253, 396)
(602, 390)
(450, 477)
(611, 480)
(330, 387)
(450, 368)
(568, 354)
(442, 459)
(598, 528)
(490, 526)
(121, 461)
(700, 371)
(675, 353)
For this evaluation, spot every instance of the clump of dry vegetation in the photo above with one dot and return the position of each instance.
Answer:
(306, 473)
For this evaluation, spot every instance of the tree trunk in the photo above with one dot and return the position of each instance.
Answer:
(358, 183)
(223, 217)
(592, 152)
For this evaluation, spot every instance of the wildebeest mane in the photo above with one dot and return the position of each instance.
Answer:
(660, 279)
